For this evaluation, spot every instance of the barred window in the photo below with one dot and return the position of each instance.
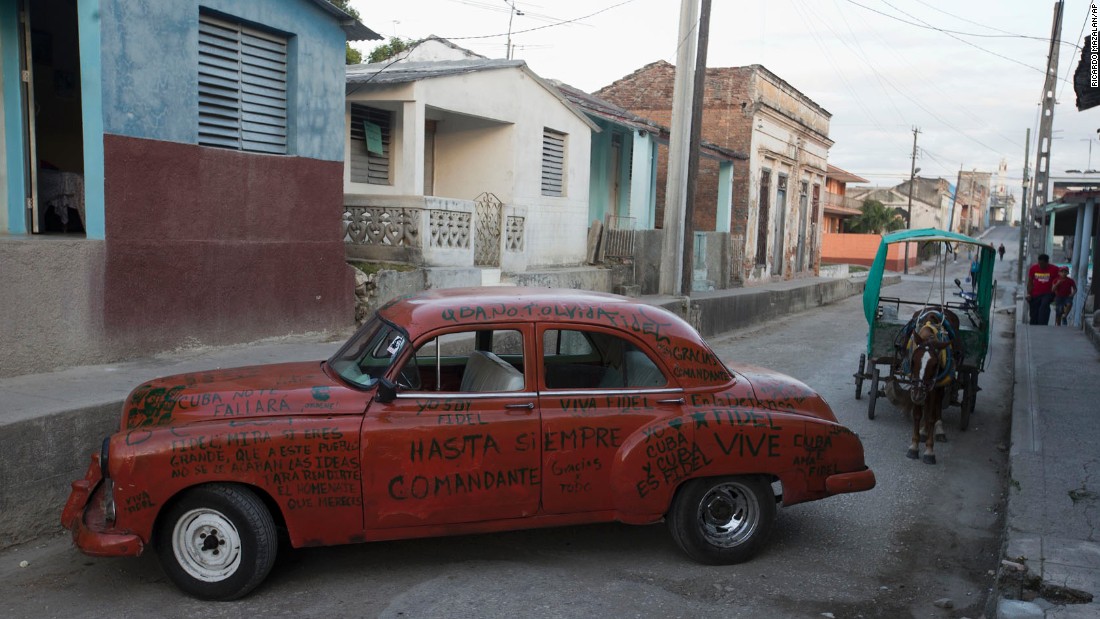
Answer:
(242, 87)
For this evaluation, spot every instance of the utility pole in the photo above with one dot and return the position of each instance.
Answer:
(909, 210)
(511, 15)
(679, 149)
(954, 200)
(1042, 157)
(699, 88)
(1025, 225)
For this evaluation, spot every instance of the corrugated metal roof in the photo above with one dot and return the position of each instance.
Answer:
(403, 72)
(354, 29)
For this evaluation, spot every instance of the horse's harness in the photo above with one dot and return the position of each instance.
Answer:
(938, 344)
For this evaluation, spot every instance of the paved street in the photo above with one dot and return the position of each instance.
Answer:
(926, 533)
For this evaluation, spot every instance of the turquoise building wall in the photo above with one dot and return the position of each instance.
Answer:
(601, 175)
(10, 107)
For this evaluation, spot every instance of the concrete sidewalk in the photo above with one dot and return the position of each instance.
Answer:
(1053, 517)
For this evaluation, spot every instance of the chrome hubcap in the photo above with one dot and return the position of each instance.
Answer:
(728, 515)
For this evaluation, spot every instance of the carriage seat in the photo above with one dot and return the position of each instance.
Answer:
(487, 372)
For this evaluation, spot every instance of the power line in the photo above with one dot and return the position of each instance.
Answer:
(866, 58)
(933, 83)
(952, 33)
(964, 41)
(969, 21)
(496, 8)
(560, 23)
(928, 26)
(840, 73)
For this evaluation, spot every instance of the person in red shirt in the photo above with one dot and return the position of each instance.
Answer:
(1040, 289)
(1064, 290)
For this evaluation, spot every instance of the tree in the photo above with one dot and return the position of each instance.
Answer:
(388, 50)
(875, 218)
(352, 55)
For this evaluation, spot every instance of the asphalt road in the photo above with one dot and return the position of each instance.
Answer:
(925, 534)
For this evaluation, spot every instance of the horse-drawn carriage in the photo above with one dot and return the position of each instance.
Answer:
(897, 332)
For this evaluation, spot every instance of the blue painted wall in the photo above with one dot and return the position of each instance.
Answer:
(91, 112)
(11, 109)
(150, 68)
(601, 175)
(139, 64)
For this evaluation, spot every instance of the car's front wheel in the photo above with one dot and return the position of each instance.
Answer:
(217, 542)
(723, 520)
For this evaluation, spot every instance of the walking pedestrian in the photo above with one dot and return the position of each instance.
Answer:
(1064, 290)
(975, 268)
(1040, 289)
(1001, 251)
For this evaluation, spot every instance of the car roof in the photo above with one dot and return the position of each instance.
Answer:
(684, 350)
(438, 307)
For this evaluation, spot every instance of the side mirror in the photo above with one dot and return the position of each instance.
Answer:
(387, 391)
(958, 283)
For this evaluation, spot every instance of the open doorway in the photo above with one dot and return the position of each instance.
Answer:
(53, 140)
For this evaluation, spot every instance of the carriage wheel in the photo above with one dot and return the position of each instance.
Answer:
(969, 389)
(860, 374)
(872, 394)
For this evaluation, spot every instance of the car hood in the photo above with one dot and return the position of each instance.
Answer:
(240, 393)
(779, 392)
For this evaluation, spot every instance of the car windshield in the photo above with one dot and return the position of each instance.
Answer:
(367, 355)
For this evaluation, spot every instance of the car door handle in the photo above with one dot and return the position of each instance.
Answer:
(529, 405)
(671, 401)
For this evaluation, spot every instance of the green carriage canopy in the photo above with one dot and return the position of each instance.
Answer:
(984, 286)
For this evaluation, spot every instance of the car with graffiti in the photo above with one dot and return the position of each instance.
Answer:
(461, 411)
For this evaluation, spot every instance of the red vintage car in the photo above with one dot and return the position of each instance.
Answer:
(461, 411)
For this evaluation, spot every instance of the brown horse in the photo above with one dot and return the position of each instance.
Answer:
(931, 370)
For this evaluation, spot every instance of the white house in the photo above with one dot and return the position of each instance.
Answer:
(470, 162)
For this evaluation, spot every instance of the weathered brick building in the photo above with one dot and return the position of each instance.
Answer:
(777, 205)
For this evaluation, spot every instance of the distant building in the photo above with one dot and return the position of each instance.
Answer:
(1002, 203)
(839, 207)
(931, 203)
(777, 205)
(972, 201)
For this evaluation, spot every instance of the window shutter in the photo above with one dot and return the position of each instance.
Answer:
(242, 87)
(553, 160)
(366, 166)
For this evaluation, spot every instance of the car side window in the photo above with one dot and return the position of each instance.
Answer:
(467, 361)
(574, 359)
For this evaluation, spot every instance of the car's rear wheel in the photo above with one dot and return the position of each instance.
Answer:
(217, 542)
(723, 520)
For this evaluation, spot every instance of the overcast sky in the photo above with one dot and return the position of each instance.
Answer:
(881, 67)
